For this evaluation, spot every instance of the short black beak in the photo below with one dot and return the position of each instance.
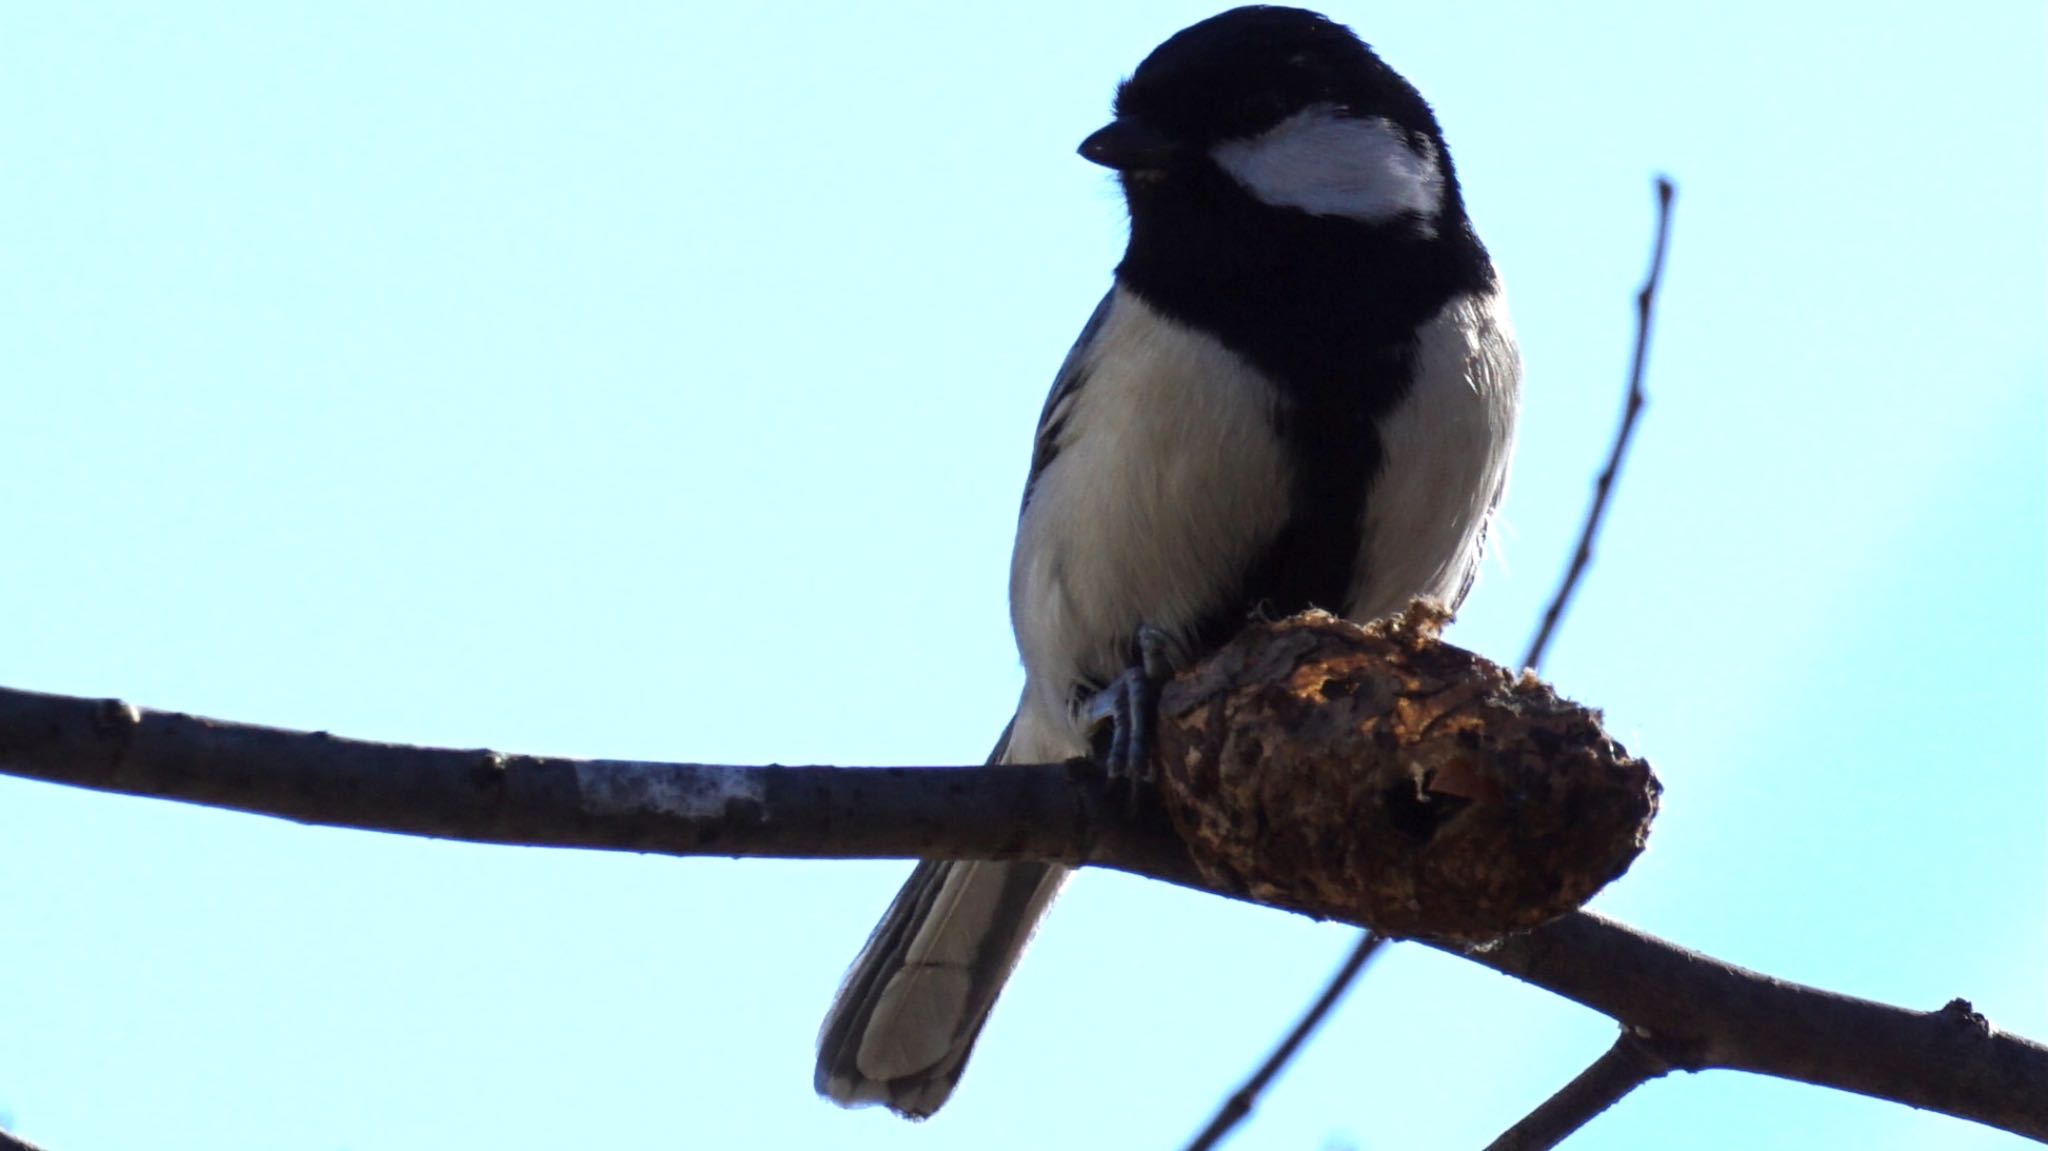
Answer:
(1127, 145)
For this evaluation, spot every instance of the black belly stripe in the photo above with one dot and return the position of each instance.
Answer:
(1328, 309)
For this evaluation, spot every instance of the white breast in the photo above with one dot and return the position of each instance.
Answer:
(1444, 460)
(1168, 480)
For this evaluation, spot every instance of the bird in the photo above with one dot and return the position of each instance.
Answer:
(1299, 392)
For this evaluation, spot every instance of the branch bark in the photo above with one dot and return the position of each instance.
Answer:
(1949, 1060)
(1030, 811)
(1375, 775)
(1627, 1065)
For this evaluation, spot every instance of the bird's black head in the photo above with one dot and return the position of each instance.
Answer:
(1287, 107)
(1290, 195)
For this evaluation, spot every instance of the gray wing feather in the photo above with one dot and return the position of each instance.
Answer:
(1066, 384)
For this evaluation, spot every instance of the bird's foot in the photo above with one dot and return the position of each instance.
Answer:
(1129, 709)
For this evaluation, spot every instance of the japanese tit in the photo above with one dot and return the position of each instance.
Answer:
(1300, 391)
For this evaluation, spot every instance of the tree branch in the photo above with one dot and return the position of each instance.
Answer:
(1041, 811)
(1375, 774)
(1949, 1060)
(1627, 1065)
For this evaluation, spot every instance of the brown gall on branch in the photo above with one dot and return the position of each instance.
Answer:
(1381, 776)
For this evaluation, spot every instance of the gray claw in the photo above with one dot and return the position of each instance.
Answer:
(1130, 705)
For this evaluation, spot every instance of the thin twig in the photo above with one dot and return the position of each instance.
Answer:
(1604, 486)
(1627, 1065)
(1240, 1103)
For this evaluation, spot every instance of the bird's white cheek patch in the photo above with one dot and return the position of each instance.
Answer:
(1326, 164)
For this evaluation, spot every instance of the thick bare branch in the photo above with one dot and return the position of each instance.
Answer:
(1949, 1060)
(1375, 775)
(1000, 812)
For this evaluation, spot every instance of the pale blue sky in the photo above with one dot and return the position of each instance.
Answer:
(655, 382)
